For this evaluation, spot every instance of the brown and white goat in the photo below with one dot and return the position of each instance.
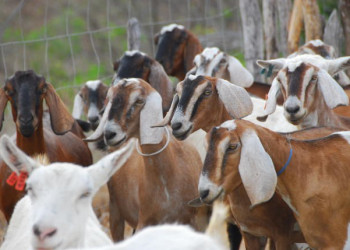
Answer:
(136, 64)
(25, 91)
(313, 176)
(309, 91)
(205, 102)
(176, 49)
(161, 175)
(90, 100)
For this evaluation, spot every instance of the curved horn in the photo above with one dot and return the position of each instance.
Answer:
(170, 113)
(99, 130)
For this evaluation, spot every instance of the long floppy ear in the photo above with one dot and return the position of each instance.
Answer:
(102, 170)
(192, 48)
(166, 120)
(151, 113)
(116, 65)
(236, 99)
(15, 158)
(161, 82)
(333, 94)
(78, 106)
(239, 75)
(274, 64)
(98, 133)
(61, 120)
(256, 169)
(338, 64)
(342, 78)
(271, 101)
(3, 102)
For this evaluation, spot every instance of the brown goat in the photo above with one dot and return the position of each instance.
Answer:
(176, 49)
(136, 64)
(314, 181)
(161, 177)
(26, 91)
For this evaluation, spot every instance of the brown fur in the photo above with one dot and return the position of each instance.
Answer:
(138, 190)
(65, 148)
(319, 192)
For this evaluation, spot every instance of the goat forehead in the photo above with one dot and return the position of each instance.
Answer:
(28, 78)
(210, 53)
(230, 125)
(191, 85)
(134, 52)
(171, 27)
(93, 85)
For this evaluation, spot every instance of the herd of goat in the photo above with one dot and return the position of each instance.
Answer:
(276, 170)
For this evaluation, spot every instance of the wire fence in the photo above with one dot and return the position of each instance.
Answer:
(70, 42)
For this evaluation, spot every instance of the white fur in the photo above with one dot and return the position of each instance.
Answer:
(230, 125)
(60, 197)
(347, 243)
(344, 134)
(171, 27)
(133, 52)
(192, 77)
(78, 106)
(210, 53)
(93, 85)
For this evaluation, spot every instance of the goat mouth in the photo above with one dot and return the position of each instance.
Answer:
(49, 248)
(209, 202)
(94, 125)
(118, 143)
(183, 135)
(27, 131)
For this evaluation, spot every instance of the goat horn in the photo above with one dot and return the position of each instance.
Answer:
(95, 136)
(170, 113)
(196, 202)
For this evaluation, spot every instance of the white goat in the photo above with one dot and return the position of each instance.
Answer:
(57, 213)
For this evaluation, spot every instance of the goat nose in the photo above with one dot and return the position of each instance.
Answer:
(204, 193)
(44, 233)
(109, 134)
(27, 119)
(176, 125)
(292, 109)
(93, 119)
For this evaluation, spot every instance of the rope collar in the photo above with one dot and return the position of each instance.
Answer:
(287, 163)
(138, 149)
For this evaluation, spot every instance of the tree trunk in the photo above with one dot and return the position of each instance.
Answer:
(344, 8)
(284, 8)
(334, 33)
(253, 35)
(312, 19)
(295, 26)
(269, 13)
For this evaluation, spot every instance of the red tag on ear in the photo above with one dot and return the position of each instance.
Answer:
(266, 96)
(21, 182)
(12, 179)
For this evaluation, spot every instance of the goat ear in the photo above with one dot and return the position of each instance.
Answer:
(333, 94)
(116, 65)
(275, 64)
(3, 102)
(342, 79)
(98, 133)
(151, 113)
(15, 158)
(239, 75)
(192, 48)
(236, 99)
(78, 106)
(161, 82)
(61, 120)
(271, 101)
(257, 171)
(338, 64)
(102, 170)
(166, 120)
(156, 38)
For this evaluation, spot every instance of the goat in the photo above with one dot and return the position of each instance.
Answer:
(136, 64)
(312, 176)
(174, 236)
(25, 91)
(176, 49)
(199, 96)
(90, 100)
(309, 91)
(56, 213)
(162, 167)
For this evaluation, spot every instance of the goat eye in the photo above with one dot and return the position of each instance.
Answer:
(9, 92)
(140, 102)
(314, 78)
(85, 195)
(207, 92)
(232, 147)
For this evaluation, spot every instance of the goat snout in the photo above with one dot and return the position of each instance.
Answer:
(293, 109)
(176, 125)
(26, 119)
(204, 193)
(93, 119)
(42, 234)
(109, 134)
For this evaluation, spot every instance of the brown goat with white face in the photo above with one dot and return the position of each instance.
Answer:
(61, 141)
(176, 49)
(162, 167)
(314, 183)
(90, 100)
(309, 91)
(136, 64)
